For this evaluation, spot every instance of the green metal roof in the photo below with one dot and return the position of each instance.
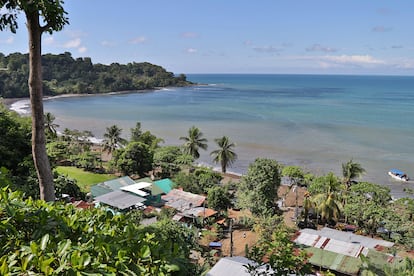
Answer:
(163, 186)
(334, 261)
(111, 185)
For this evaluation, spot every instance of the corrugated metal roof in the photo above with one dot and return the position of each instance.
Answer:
(183, 201)
(120, 199)
(348, 237)
(165, 185)
(230, 266)
(111, 185)
(336, 262)
(236, 266)
(200, 212)
(337, 250)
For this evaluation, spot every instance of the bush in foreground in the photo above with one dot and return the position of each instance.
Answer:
(55, 239)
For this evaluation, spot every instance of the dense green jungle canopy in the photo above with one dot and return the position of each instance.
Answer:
(62, 74)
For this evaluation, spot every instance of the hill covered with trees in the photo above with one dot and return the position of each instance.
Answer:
(62, 74)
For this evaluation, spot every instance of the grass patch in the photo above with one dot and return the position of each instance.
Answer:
(84, 179)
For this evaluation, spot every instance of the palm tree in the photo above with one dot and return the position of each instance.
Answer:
(327, 203)
(113, 138)
(350, 171)
(225, 154)
(50, 126)
(194, 142)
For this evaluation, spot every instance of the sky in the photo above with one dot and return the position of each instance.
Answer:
(364, 37)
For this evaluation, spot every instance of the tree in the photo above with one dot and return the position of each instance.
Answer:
(258, 188)
(350, 171)
(167, 161)
(52, 14)
(112, 138)
(50, 126)
(136, 132)
(137, 135)
(326, 199)
(218, 198)
(58, 239)
(136, 157)
(198, 182)
(194, 141)
(278, 255)
(225, 154)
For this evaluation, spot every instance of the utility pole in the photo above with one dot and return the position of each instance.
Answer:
(231, 237)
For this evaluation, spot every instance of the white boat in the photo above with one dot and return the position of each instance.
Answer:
(398, 175)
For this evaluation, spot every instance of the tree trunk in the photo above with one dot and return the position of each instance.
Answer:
(40, 158)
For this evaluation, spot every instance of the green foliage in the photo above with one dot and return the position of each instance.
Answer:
(199, 181)
(350, 171)
(225, 154)
(135, 158)
(168, 161)
(258, 188)
(62, 74)
(281, 255)
(87, 160)
(294, 173)
(137, 135)
(375, 199)
(113, 139)
(38, 238)
(194, 141)
(218, 198)
(15, 144)
(66, 185)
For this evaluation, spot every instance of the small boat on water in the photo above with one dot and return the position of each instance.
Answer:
(398, 175)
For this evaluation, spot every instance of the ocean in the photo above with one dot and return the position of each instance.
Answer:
(315, 121)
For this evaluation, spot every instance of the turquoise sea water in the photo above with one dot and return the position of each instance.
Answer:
(315, 121)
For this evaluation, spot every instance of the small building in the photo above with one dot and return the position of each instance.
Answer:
(182, 201)
(110, 186)
(340, 251)
(121, 200)
(233, 266)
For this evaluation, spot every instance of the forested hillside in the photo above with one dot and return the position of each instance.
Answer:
(62, 74)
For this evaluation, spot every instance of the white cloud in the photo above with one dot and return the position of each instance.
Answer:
(82, 49)
(341, 61)
(191, 50)
(320, 48)
(49, 40)
(9, 40)
(353, 59)
(138, 40)
(74, 43)
(267, 49)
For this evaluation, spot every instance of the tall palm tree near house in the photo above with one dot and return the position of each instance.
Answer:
(350, 171)
(224, 154)
(50, 126)
(112, 138)
(327, 202)
(194, 141)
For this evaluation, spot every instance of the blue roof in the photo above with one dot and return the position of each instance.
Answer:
(395, 171)
(215, 244)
